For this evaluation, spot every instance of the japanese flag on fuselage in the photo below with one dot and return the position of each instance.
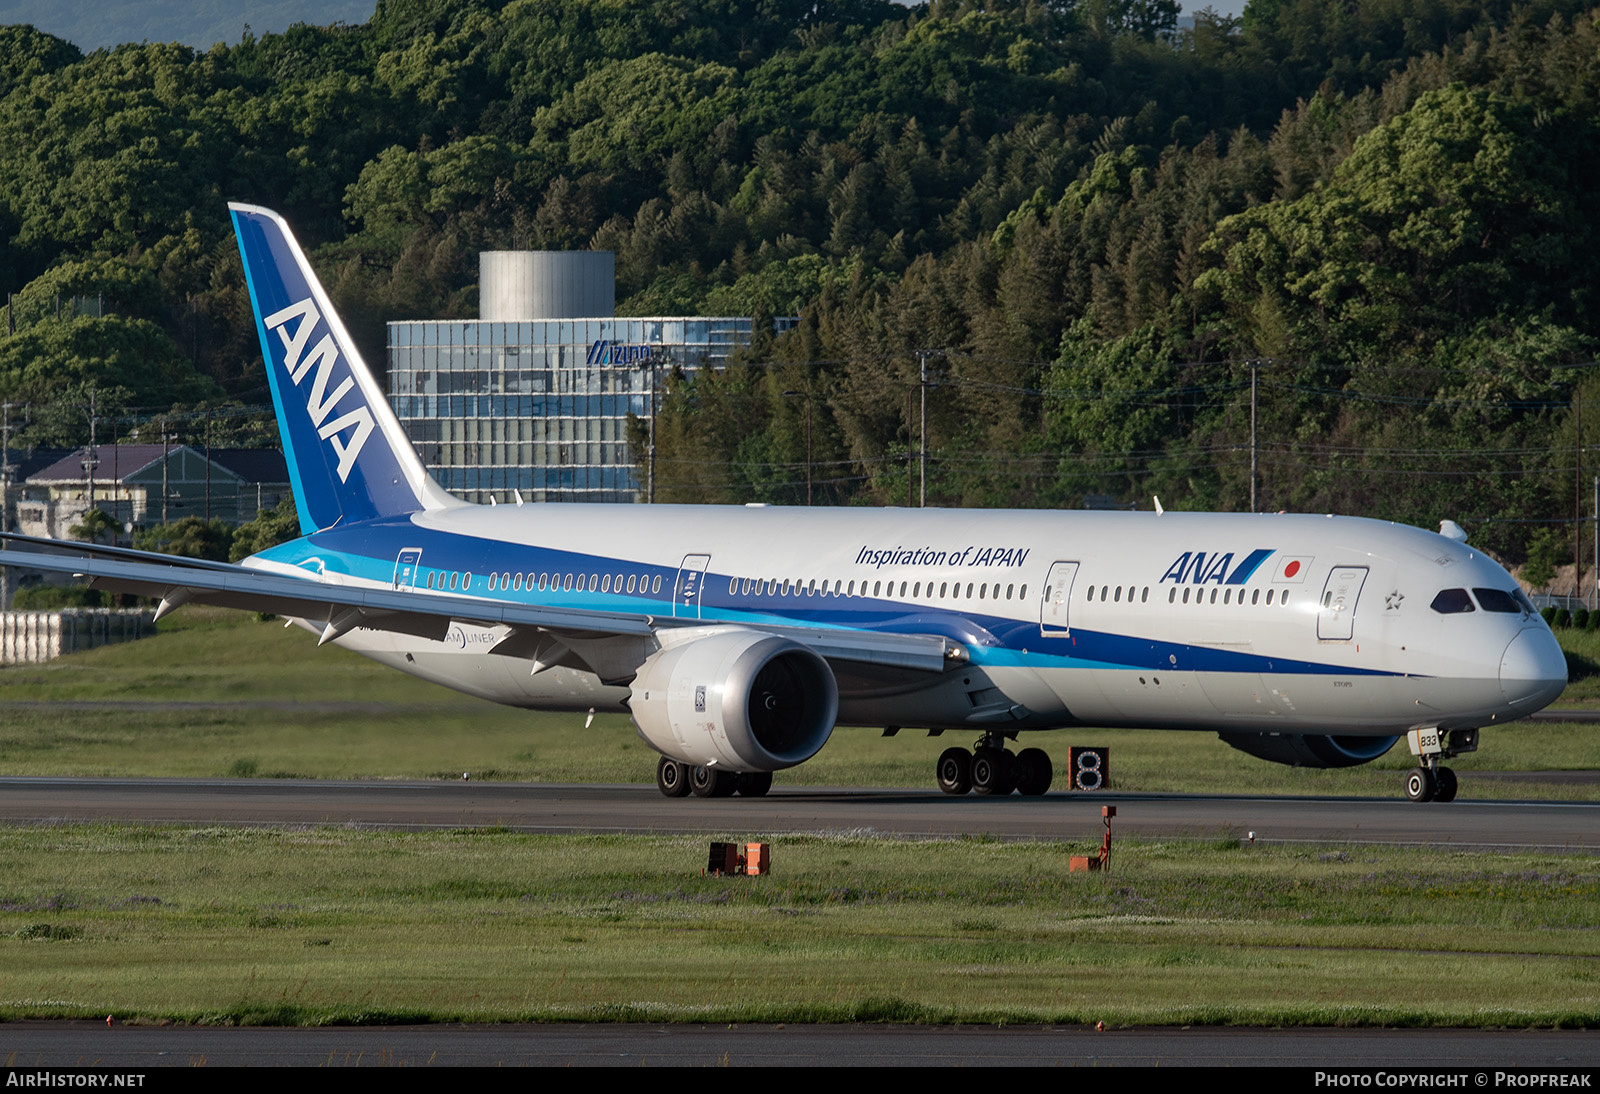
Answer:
(1292, 570)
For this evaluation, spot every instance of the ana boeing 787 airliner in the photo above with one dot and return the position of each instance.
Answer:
(737, 637)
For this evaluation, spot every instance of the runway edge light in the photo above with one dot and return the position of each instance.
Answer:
(1085, 863)
(751, 859)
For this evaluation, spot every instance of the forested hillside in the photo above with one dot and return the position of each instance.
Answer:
(1097, 227)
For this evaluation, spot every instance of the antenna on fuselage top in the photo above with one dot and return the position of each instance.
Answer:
(1157, 499)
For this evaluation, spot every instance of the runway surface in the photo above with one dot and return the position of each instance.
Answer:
(584, 808)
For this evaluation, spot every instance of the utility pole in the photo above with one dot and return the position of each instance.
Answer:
(1577, 493)
(1253, 507)
(7, 469)
(806, 395)
(91, 458)
(922, 437)
(652, 453)
(911, 453)
(922, 428)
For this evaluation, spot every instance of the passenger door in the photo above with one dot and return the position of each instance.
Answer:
(405, 568)
(1057, 600)
(1336, 615)
(691, 583)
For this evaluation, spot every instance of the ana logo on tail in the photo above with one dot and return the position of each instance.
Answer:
(318, 364)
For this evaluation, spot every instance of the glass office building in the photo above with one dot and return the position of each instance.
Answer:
(541, 407)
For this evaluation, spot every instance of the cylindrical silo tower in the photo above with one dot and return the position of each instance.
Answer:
(522, 286)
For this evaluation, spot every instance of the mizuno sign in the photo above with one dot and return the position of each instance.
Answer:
(295, 326)
(607, 352)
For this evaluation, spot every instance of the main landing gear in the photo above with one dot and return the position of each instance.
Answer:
(1430, 781)
(677, 780)
(990, 769)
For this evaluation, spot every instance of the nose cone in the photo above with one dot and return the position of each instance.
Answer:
(1533, 670)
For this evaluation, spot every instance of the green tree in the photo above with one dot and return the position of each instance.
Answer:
(1548, 548)
(26, 53)
(110, 152)
(189, 537)
(44, 598)
(1459, 207)
(270, 528)
(94, 524)
(131, 361)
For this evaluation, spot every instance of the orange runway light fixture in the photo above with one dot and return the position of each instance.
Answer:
(750, 859)
(1101, 861)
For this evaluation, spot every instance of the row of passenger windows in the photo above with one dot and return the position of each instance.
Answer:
(1455, 601)
(1446, 602)
(646, 584)
(916, 590)
(1114, 594)
(593, 583)
(604, 583)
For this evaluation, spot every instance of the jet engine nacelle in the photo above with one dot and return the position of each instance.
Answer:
(1310, 749)
(738, 700)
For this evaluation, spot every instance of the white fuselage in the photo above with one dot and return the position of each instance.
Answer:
(1288, 623)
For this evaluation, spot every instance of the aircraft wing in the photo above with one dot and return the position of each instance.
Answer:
(342, 608)
(34, 546)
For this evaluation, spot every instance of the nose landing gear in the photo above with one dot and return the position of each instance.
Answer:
(1431, 784)
(1430, 781)
(990, 770)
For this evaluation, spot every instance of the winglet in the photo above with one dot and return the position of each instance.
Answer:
(348, 457)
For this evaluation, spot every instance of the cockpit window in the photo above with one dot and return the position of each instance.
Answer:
(1451, 601)
(1522, 599)
(1496, 600)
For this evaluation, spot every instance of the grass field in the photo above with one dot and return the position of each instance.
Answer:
(1586, 644)
(332, 925)
(318, 926)
(219, 693)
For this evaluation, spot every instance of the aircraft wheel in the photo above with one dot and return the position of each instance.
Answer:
(1445, 788)
(954, 771)
(672, 778)
(994, 771)
(1035, 772)
(1421, 785)
(755, 784)
(708, 782)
